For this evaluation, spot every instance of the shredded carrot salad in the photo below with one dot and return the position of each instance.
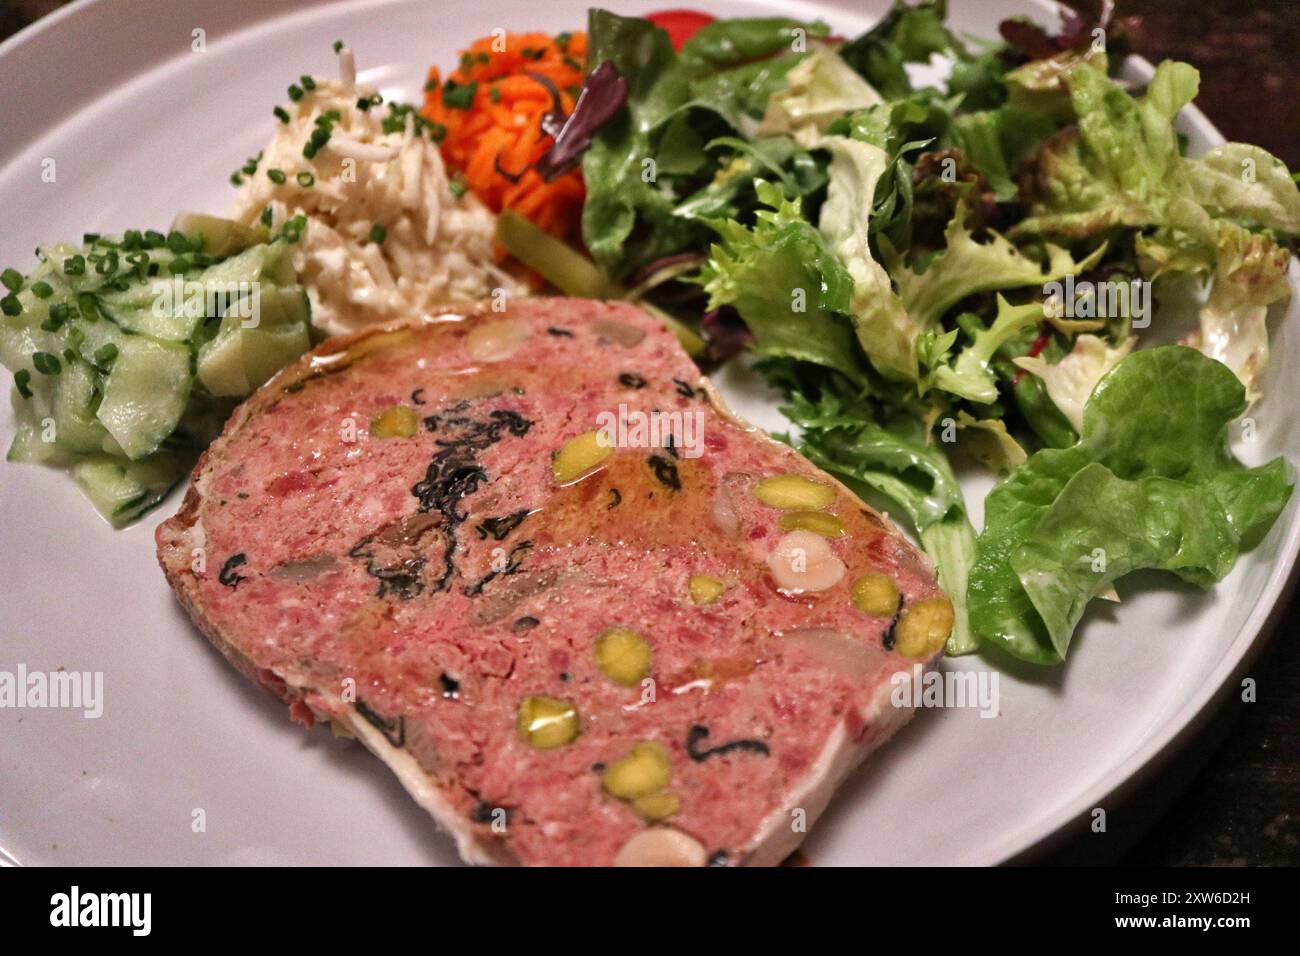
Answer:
(492, 110)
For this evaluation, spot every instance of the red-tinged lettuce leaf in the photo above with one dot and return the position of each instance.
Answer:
(604, 92)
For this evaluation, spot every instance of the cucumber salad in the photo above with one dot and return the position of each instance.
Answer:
(939, 250)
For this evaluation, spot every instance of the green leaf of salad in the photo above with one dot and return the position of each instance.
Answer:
(643, 161)
(1150, 484)
(783, 278)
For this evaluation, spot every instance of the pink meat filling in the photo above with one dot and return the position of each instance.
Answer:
(447, 575)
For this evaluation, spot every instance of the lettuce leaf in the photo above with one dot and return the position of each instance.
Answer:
(628, 217)
(818, 91)
(997, 141)
(965, 267)
(1240, 181)
(1123, 168)
(618, 194)
(970, 376)
(884, 328)
(1249, 276)
(1121, 165)
(1151, 483)
(1071, 381)
(785, 282)
(906, 34)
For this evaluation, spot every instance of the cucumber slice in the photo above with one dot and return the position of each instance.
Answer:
(29, 445)
(145, 394)
(20, 336)
(259, 264)
(121, 491)
(283, 306)
(167, 325)
(240, 359)
(76, 400)
(219, 237)
(221, 363)
(266, 350)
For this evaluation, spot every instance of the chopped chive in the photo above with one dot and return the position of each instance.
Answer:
(293, 229)
(10, 305)
(236, 179)
(275, 175)
(107, 265)
(42, 290)
(105, 354)
(90, 238)
(363, 104)
(12, 279)
(338, 46)
(267, 217)
(306, 179)
(295, 92)
(132, 240)
(153, 238)
(178, 243)
(74, 265)
(46, 363)
(458, 187)
(320, 136)
(21, 379)
(307, 82)
(70, 356)
(88, 306)
(459, 96)
(281, 114)
(309, 150)
(378, 234)
(59, 314)
(179, 264)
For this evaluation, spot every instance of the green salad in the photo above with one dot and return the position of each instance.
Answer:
(964, 268)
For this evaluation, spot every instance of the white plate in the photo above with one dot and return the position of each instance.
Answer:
(140, 126)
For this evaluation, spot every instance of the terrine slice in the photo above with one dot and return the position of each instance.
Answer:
(531, 561)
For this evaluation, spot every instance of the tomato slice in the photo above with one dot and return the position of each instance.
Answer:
(680, 24)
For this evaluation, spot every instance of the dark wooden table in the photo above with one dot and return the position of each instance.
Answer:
(1233, 796)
